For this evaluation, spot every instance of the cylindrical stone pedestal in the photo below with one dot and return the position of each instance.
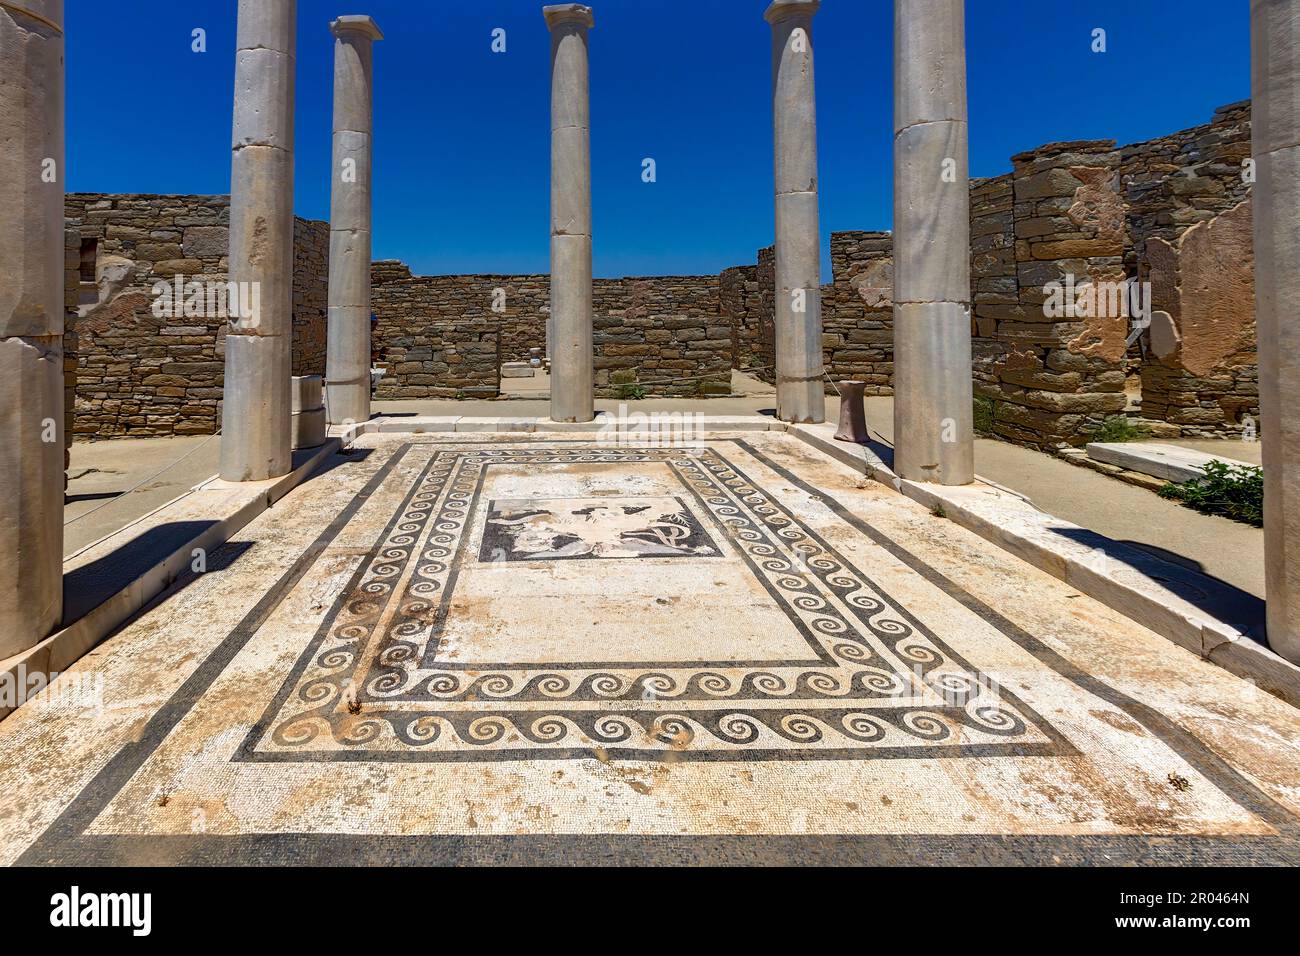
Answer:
(933, 414)
(800, 388)
(853, 413)
(31, 322)
(1275, 142)
(307, 412)
(347, 369)
(255, 441)
(569, 325)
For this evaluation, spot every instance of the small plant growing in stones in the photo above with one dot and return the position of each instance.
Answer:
(1233, 491)
(985, 412)
(624, 380)
(1119, 428)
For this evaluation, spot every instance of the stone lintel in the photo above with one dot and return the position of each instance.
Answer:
(562, 13)
(361, 24)
(785, 9)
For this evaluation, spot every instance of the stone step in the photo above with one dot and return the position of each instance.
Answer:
(1170, 462)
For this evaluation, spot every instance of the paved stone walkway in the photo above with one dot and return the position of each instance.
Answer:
(488, 648)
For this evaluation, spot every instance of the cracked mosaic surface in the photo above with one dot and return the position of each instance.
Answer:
(844, 670)
(517, 649)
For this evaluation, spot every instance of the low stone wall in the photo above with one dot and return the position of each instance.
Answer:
(746, 303)
(139, 374)
(1173, 212)
(664, 334)
(858, 311)
(438, 336)
(446, 336)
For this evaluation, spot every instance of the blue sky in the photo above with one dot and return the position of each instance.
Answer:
(462, 133)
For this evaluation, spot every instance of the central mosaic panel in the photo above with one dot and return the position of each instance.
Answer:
(537, 529)
(486, 626)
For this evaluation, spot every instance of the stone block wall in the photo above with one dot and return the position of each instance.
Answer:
(858, 311)
(1173, 212)
(766, 315)
(746, 303)
(71, 293)
(995, 287)
(142, 375)
(1190, 222)
(311, 265)
(437, 336)
(440, 336)
(666, 334)
(1052, 376)
(739, 303)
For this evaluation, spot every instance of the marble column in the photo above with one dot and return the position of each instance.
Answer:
(31, 321)
(255, 421)
(800, 382)
(347, 366)
(572, 397)
(933, 418)
(1275, 142)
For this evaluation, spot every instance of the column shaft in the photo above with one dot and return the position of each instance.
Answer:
(1275, 135)
(570, 323)
(255, 423)
(933, 416)
(800, 380)
(31, 321)
(347, 367)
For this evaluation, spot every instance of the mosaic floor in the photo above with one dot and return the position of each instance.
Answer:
(485, 648)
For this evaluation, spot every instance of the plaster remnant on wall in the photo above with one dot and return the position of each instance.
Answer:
(1205, 282)
(875, 284)
(1099, 206)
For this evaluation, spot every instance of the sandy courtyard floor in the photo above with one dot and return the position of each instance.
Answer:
(517, 648)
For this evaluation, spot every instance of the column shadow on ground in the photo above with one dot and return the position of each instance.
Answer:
(1183, 576)
(87, 587)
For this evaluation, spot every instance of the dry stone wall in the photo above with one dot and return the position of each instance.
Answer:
(141, 374)
(437, 336)
(1051, 361)
(1173, 212)
(740, 304)
(663, 334)
(1052, 358)
(1068, 226)
(749, 306)
(446, 336)
(1190, 221)
(858, 311)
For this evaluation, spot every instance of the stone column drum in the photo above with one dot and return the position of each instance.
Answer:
(1275, 142)
(933, 416)
(347, 367)
(255, 443)
(31, 322)
(572, 397)
(800, 388)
